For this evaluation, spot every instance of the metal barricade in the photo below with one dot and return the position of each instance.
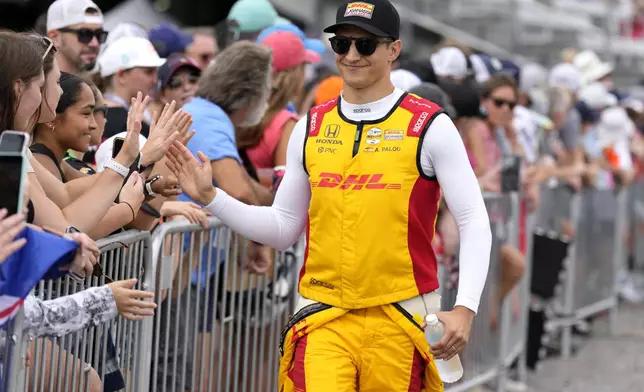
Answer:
(637, 224)
(217, 326)
(480, 358)
(514, 321)
(595, 256)
(12, 355)
(102, 357)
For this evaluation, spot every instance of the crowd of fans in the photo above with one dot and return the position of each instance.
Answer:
(82, 92)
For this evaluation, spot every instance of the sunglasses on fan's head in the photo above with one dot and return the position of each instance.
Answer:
(366, 46)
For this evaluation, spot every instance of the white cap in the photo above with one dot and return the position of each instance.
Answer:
(404, 79)
(127, 53)
(64, 13)
(591, 67)
(125, 29)
(596, 96)
(614, 126)
(431, 319)
(533, 76)
(450, 62)
(122, 30)
(104, 152)
(565, 75)
(481, 73)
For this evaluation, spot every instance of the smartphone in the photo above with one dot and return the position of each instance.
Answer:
(13, 169)
(14, 141)
(118, 144)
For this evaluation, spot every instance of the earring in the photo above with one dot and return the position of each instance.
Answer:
(51, 126)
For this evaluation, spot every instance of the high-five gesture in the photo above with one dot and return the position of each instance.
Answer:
(186, 133)
(163, 131)
(130, 149)
(195, 177)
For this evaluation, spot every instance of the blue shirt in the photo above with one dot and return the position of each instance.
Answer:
(215, 138)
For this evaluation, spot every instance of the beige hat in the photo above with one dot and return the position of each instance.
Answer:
(591, 67)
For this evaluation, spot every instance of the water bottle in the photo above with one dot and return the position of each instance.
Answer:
(449, 371)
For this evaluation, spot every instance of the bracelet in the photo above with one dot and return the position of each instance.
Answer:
(131, 209)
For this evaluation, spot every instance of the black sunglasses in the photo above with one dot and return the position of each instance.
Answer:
(85, 36)
(366, 46)
(101, 109)
(177, 82)
(498, 102)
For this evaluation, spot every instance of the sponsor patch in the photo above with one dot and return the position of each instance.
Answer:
(359, 8)
(363, 110)
(394, 135)
(373, 142)
(374, 132)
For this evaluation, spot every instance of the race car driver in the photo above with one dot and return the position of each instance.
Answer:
(363, 178)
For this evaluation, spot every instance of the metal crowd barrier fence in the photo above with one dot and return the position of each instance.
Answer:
(595, 256)
(217, 326)
(498, 334)
(102, 357)
(11, 354)
(637, 224)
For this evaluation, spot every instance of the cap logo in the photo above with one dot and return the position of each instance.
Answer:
(359, 8)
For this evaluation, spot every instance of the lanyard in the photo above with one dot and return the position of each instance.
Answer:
(115, 98)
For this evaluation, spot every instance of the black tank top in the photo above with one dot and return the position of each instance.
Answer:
(40, 148)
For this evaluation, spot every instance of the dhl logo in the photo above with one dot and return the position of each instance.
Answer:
(354, 182)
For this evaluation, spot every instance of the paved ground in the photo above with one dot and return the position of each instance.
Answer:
(603, 363)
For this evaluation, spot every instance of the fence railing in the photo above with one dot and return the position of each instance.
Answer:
(217, 326)
(102, 357)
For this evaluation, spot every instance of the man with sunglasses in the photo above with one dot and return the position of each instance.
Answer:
(76, 28)
(364, 176)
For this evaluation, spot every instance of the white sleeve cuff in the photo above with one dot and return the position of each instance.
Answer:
(218, 203)
(470, 303)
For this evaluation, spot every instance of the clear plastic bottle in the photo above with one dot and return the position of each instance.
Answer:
(449, 371)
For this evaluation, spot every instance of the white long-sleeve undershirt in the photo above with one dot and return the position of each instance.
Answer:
(442, 155)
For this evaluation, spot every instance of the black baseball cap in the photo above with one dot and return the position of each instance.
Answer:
(378, 17)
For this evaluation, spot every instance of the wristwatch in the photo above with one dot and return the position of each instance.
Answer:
(148, 186)
(117, 167)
